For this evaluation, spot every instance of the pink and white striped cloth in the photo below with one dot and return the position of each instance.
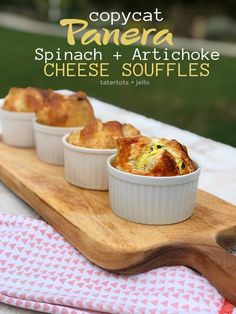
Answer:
(41, 271)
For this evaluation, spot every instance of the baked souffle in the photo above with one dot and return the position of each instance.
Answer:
(66, 111)
(157, 157)
(102, 135)
(27, 99)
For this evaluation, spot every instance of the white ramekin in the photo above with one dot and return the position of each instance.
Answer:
(49, 146)
(86, 167)
(152, 200)
(17, 128)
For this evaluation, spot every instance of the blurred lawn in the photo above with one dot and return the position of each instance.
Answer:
(206, 106)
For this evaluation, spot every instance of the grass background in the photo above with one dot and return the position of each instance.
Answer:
(206, 106)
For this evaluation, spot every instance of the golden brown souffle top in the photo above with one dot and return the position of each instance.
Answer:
(66, 111)
(101, 135)
(27, 99)
(157, 157)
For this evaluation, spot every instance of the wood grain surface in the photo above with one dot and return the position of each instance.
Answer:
(85, 219)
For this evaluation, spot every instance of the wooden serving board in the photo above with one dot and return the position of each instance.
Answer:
(85, 219)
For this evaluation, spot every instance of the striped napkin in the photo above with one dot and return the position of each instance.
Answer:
(41, 271)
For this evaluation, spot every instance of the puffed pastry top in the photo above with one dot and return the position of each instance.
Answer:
(27, 99)
(146, 156)
(66, 111)
(101, 135)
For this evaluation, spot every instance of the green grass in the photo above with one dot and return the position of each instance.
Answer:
(206, 106)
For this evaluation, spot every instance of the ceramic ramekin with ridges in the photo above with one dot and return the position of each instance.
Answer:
(152, 200)
(86, 167)
(49, 146)
(17, 128)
